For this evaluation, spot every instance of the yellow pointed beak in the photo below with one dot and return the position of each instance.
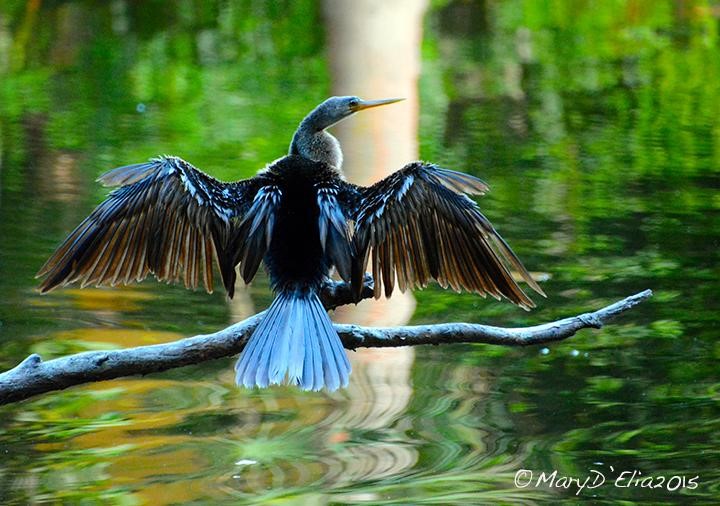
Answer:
(367, 104)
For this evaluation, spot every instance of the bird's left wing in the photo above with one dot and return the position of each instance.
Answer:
(418, 224)
(169, 219)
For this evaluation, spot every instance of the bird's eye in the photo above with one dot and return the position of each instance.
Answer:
(354, 102)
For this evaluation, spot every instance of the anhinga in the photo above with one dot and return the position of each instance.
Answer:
(301, 218)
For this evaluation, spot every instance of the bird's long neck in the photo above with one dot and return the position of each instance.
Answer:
(316, 144)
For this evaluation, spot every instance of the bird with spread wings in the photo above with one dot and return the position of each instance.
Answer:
(301, 219)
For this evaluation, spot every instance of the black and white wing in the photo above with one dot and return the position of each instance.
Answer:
(334, 227)
(418, 224)
(169, 219)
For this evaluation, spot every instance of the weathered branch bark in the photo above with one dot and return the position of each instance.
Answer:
(33, 376)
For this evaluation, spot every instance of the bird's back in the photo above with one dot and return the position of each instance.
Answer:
(295, 255)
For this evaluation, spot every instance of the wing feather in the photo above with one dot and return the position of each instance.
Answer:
(419, 224)
(334, 229)
(166, 218)
(255, 232)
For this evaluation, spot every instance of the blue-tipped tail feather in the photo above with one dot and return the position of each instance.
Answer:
(295, 343)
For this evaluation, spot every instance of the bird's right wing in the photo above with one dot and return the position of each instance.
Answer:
(169, 219)
(418, 224)
(335, 231)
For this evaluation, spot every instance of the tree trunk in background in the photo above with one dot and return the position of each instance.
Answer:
(374, 52)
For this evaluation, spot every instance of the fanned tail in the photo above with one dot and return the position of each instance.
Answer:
(295, 343)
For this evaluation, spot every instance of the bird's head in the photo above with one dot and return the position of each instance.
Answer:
(335, 109)
(314, 143)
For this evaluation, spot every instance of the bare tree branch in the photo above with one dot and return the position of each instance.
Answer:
(33, 376)
(445, 333)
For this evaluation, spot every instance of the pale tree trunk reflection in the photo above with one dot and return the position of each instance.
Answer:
(374, 52)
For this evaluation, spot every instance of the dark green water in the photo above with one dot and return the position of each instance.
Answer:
(596, 126)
